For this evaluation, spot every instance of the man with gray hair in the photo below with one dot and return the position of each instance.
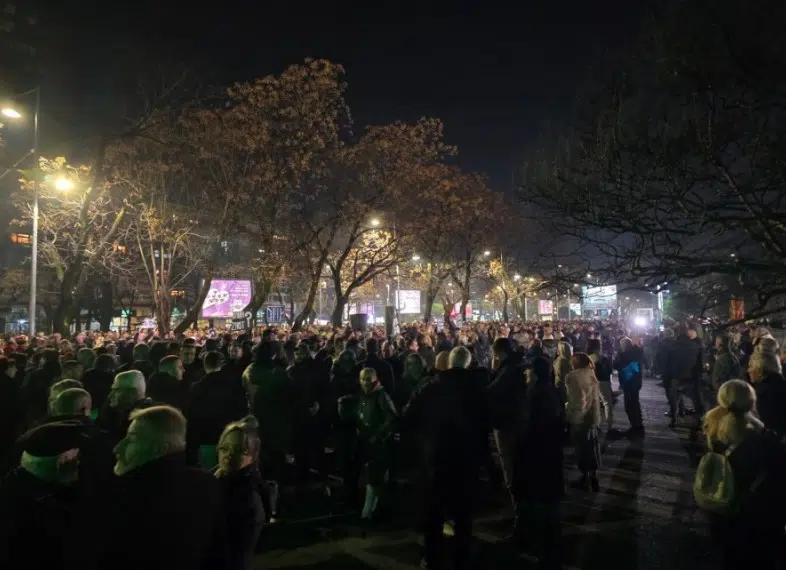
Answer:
(72, 402)
(127, 394)
(155, 485)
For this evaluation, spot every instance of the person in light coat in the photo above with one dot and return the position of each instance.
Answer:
(583, 416)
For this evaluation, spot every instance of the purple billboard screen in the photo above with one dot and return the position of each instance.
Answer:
(225, 297)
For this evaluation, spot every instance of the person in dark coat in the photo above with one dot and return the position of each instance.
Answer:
(242, 491)
(177, 508)
(449, 419)
(39, 498)
(506, 400)
(681, 358)
(165, 386)
(383, 369)
(35, 391)
(212, 403)
(765, 372)
(538, 475)
(630, 366)
(98, 380)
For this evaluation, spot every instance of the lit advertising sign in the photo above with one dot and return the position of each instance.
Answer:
(545, 307)
(409, 302)
(226, 296)
(600, 298)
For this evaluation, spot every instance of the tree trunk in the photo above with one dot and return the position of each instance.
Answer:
(465, 287)
(78, 318)
(430, 298)
(505, 305)
(291, 317)
(74, 273)
(193, 311)
(163, 312)
(107, 305)
(262, 288)
(338, 310)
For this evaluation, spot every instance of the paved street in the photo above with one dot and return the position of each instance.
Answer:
(643, 518)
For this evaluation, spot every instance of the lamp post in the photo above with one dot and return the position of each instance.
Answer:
(14, 114)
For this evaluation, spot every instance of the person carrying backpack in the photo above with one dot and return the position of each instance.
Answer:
(739, 482)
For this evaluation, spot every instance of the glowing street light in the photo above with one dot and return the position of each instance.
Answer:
(487, 253)
(416, 257)
(589, 275)
(64, 184)
(516, 277)
(11, 113)
(375, 222)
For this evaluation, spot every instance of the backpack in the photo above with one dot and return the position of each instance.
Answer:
(714, 487)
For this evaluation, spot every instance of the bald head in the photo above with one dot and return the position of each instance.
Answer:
(72, 402)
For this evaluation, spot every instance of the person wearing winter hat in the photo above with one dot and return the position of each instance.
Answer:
(38, 498)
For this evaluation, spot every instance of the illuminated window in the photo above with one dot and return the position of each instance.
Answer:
(21, 239)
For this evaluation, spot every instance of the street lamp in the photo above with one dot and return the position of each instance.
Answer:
(375, 222)
(12, 113)
(64, 184)
(487, 253)
(516, 277)
(416, 257)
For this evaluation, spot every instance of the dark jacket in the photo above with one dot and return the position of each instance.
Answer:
(245, 516)
(629, 365)
(384, 372)
(506, 394)
(212, 403)
(177, 509)
(99, 384)
(164, 388)
(538, 469)
(771, 402)
(449, 418)
(681, 358)
(36, 521)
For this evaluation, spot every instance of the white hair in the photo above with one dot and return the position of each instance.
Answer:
(460, 357)
(131, 379)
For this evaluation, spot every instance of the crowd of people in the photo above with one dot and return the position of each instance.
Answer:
(172, 453)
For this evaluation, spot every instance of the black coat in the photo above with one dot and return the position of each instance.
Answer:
(449, 419)
(99, 384)
(771, 403)
(245, 517)
(36, 521)
(164, 388)
(212, 403)
(681, 358)
(538, 470)
(506, 395)
(163, 515)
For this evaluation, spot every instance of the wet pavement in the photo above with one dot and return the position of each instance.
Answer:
(643, 517)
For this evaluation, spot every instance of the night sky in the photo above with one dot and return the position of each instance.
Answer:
(497, 73)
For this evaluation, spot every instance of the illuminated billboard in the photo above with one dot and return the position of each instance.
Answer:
(545, 307)
(409, 302)
(226, 296)
(599, 298)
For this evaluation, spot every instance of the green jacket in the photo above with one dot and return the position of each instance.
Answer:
(726, 367)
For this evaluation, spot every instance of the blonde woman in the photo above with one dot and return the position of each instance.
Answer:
(238, 454)
(562, 367)
(583, 416)
(752, 536)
